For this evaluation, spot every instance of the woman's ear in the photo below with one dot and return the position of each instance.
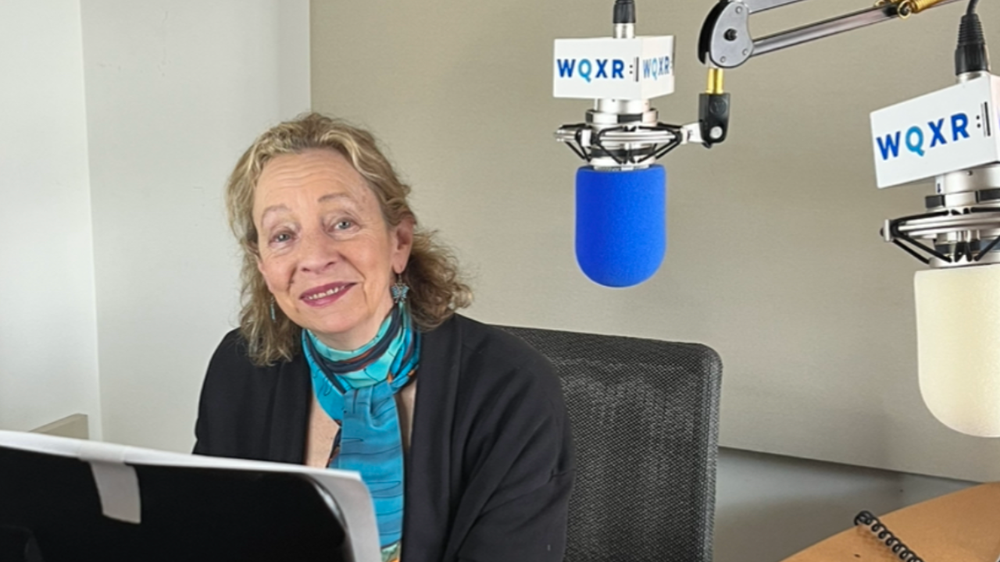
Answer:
(402, 239)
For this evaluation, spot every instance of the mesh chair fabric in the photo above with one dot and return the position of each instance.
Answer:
(644, 416)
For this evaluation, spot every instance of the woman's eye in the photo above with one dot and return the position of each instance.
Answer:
(281, 237)
(343, 225)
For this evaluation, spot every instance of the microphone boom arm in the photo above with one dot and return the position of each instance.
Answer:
(726, 42)
(961, 225)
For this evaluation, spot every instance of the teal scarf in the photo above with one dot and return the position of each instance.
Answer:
(356, 389)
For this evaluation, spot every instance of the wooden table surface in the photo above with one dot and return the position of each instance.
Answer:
(959, 527)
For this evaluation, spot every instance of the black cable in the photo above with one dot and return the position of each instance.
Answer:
(971, 54)
(624, 11)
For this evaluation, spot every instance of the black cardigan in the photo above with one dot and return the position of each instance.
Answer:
(490, 467)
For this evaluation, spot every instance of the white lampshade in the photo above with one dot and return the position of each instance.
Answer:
(958, 346)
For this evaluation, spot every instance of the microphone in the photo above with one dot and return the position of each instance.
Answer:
(957, 299)
(621, 193)
(621, 235)
(621, 224)
(958, 330)
(951, 135)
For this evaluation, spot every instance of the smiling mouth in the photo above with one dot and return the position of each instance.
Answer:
(328, 293)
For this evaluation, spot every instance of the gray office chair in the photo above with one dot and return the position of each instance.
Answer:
(644, 416)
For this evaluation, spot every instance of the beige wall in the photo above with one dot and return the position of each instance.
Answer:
(774, 259)
(176, 91)
(48, 312)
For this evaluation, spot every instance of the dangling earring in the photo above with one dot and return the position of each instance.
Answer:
(399, 290)
(272, 309)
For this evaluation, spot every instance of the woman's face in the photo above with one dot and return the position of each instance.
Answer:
(326, 252)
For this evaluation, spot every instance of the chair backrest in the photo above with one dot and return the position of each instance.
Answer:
(644, 417)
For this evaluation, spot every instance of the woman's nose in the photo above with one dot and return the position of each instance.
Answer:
(317, 251)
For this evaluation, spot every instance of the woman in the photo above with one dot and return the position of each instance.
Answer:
(350, 355)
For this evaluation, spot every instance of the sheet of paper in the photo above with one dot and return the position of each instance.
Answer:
(344, 491)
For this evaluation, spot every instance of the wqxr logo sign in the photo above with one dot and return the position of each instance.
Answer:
(920, 139)
(613, 69)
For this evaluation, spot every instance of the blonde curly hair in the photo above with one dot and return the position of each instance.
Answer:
(437, 289)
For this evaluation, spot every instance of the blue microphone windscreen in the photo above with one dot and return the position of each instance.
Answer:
(621, 224)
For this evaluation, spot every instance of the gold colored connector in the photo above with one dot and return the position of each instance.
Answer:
(909, 7)
(715, 81)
